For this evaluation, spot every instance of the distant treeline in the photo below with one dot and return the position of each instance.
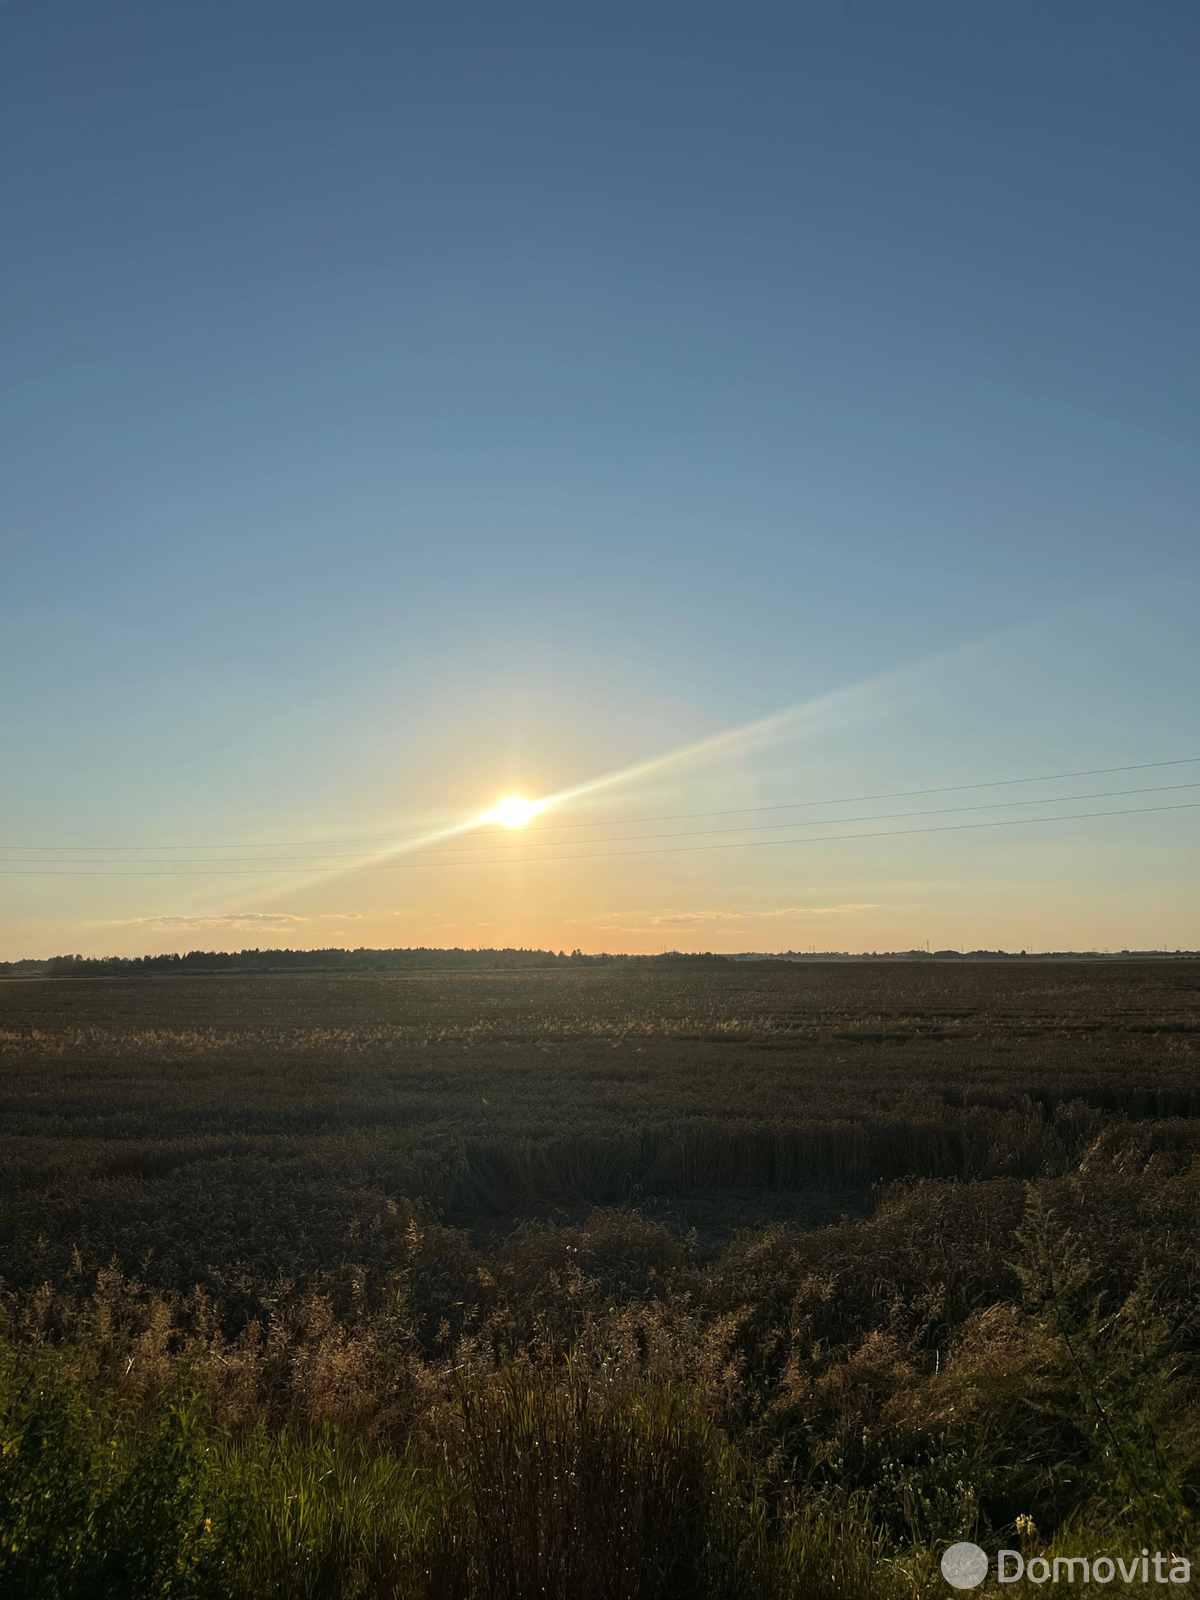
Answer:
(427, 959)
(963, 955)
(333, 960)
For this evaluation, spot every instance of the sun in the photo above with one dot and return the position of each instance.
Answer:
(514, 811)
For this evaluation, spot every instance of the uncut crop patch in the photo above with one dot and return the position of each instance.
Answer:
(254, 1124)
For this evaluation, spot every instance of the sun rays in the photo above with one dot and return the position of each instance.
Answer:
(514, 811)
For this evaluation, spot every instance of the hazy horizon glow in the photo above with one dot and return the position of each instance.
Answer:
(520, 473)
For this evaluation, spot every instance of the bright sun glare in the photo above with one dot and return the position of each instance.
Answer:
(513, 811)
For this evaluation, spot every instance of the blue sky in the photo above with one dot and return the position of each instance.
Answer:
(404, 406)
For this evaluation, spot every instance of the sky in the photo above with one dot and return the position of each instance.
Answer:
(766, 431)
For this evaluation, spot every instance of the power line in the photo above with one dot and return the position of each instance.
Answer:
(895, 794)
(747, 844)
(690, 833)
(681, 816)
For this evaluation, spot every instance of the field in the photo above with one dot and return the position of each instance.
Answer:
(751, 1278)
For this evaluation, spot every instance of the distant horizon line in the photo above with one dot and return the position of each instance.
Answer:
(423, 956)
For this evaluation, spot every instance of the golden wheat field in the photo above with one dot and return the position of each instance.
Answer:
(760, 1279)
(127, 1102)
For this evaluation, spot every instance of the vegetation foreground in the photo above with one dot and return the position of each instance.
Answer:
(390, 1286)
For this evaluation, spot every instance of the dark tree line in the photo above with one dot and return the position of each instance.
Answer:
(332, 960)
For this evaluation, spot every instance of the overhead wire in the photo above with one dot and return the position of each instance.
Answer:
(521, 838)
(620, 822)
(745, 844)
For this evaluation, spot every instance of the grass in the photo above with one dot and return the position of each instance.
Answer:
(434, 1286)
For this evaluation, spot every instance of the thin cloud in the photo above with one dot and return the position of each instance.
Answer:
(233, 919)
(753, 916)
(239, 919)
